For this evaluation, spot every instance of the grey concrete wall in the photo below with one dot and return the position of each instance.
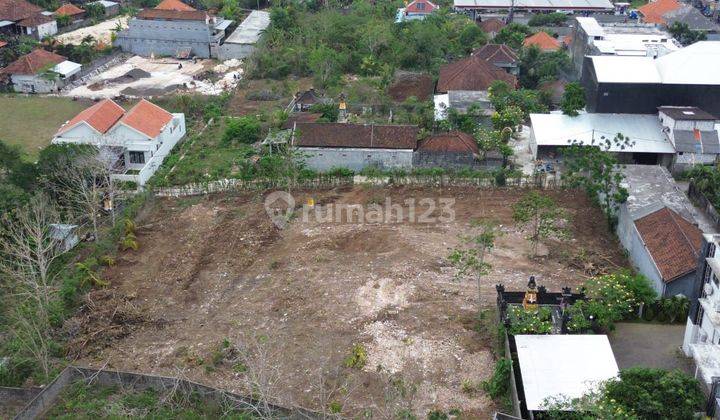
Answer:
(145, 37)
(637, 252)
(685, 286)
(324, 159)
(229, 50)
(452, 161)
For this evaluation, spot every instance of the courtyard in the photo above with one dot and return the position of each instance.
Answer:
(214, 271)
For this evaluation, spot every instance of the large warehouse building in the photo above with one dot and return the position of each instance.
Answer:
(639, 85)
(535, 5)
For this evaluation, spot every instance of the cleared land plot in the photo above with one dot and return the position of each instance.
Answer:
(142, 77)
(649, 345)
(102, 32)
(210, 269)
(31, 121)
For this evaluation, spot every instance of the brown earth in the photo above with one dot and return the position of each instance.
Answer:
(216, 268)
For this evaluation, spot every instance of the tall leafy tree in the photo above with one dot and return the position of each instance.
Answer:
(596, 169)
(573, 99)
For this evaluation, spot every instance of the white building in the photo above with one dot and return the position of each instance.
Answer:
(562, 367)
(702, 333)
(41, 72)
(140, 138)
(624, 39)
(692, 133)
(648, 144)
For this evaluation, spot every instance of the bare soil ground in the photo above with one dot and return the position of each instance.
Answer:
(216, 268)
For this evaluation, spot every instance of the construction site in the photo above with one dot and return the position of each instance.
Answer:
(372, 317)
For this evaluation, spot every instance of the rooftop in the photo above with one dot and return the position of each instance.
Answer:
(30, 64)
(101, 116)
(650, 187)
(174, 5)
(16, 10)
(491, 25)
(413, 7)
(556, 366)
(69, 9)
(686, 113)
(543, 41)
(162, 14)
(496, 54)
(453, 141)
(644, 131)
(250, 30)
(471, 73)
(673, 242)
(355, 135)
(147, 118)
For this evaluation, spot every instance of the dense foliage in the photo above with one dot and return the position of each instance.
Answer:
(522, 321)
(637, 393)
(365, 41)
(686, 36)
(707, 180)
(573, 99)
(547, 19)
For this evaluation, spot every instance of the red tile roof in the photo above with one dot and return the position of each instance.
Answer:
(16, 10)
(3, 43)
(172, 14)
(413, 7)
(491, 25)
(68, 9)
(356, 135)
(174, 5)
(673, 242)
(454, 141)
(653, 12)
(300, 117)
(33, 63)
(496, 53)
(471, 73)
(147, 118)
(36, 20)
(101, 116)
(543, 41)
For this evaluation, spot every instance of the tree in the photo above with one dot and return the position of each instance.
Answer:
(540, 215)
(245, 130)
(573, 99)
(83, 181)
(513, 35)
(63, 20)
(325, 64)
(509, 117)
(537, 66)
(686, 36)
(503, 95)
(94, 11)
(28, 252)
(596, 169)
(637, 393)
(469, 258)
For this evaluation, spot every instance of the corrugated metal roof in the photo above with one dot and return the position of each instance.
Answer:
(696, 142)
(248, 32)
(695, 64)
(590, 26)
(644, 131)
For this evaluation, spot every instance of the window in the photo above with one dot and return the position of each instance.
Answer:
(137, 157)
(420, 6)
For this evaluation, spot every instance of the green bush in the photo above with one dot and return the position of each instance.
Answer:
(547, 19)
(244, 130)
(529, 321)
(498, 386)
(357, 358)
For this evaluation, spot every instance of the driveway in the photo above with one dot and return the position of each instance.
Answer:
(650, 345)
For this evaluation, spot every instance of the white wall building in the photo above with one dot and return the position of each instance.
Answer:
(41, 72)
(140, 138)
(702, 332)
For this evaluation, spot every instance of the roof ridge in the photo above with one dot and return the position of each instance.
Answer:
(673, 215)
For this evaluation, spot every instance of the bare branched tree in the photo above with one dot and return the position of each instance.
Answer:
(28, 254)
(83, 182)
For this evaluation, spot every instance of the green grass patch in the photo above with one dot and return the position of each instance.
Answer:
(84, 401)
(31, 121)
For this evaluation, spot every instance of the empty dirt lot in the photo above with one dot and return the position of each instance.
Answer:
(215, 268)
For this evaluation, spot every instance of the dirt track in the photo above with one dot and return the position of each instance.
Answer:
(215, 268)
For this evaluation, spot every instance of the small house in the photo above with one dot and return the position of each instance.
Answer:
(465, 82)
(19, 17)
(692, 132)
(111, 8)
(41, 72)
(499, 55)
(416, 10)
(657, 228)
(491, 26)
(325, 146)
(542, 40)
(137, 140)
(75, 13)
(454, 149)
(303, 101)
